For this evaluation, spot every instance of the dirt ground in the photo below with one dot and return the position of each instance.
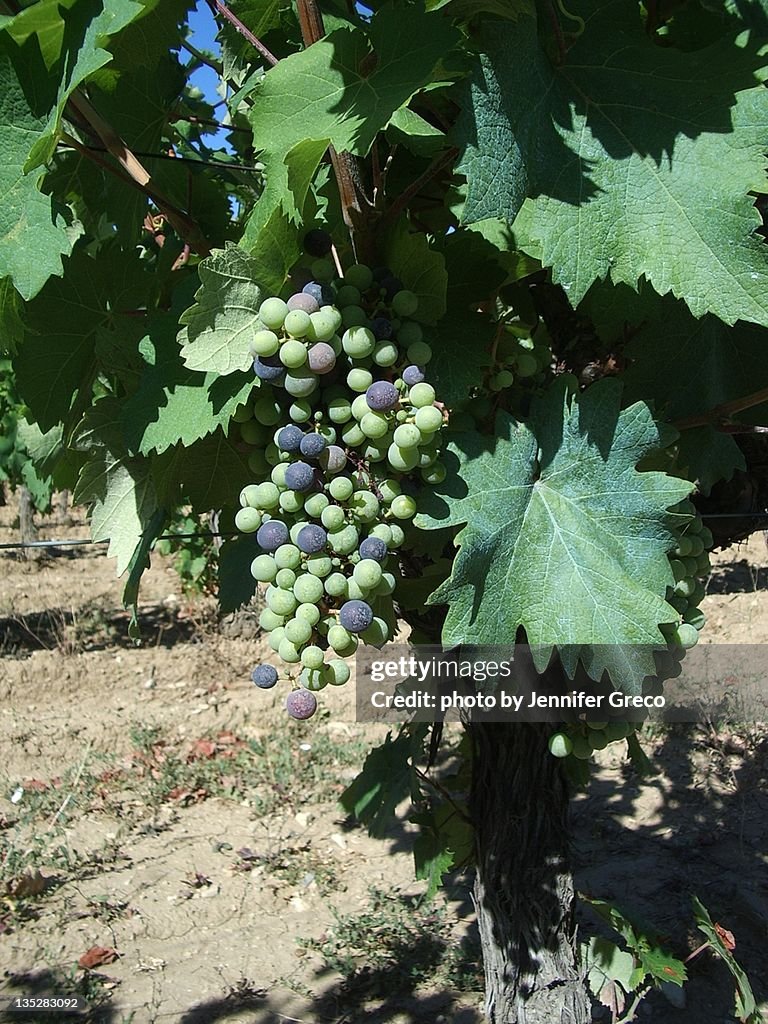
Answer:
(164, 820)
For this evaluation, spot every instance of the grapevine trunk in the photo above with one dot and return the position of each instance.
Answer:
(524, 889)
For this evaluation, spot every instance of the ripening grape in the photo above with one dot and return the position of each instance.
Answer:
(355, 616)
(301, 704)
(264, 676)
(413, 375)
(317, 242)
(373, 547)
(312, 445)
(272, 534)
(382, 396)
(321, 358)
(382, 328)
(299, 476)
(304, 301)
(268, 369)
(289, 438)
(272, 313)
(311, 539)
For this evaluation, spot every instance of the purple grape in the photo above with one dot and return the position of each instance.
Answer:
(301, 704)
(272, 534)
(381, 396)
(355, 616)
(299, 477)
(373, 547)
(289, 438)
(264, 676)
(321, 358)
(321, 293)
(303, 300)
(382, 328)
(317, 242)
(311, 539)
(312, 445)
(391, 286)
(413, 375)
(268, 368)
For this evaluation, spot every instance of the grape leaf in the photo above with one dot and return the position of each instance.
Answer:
(220, 325)
(445, 841)
(462, 354)
(259, 16)
(207, 475)
(420, 268)
(558, 508)
(639, 160)
(707, 455)
(747, 1009)
(387, 778)
(236, 584)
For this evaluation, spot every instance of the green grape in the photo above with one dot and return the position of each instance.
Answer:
(243, 413)
(353, 316)
(272, 454)
(296, 529)
(527, 366)
(428, 418)
(333, 517)
(298, 631)
(403, 507)
(596, 724)
(323, 271)
(347, 295)
(267, 411)
(402, 459)
(288, 651)
(268, 494)
(354, 591)
(322, 325)
(683, 548)
(434, 474)
(247, 520)
(264, 568)
(313, 658)
(678, 568)
(618, 731)
(407, 435)
(695, 617)
(408, 334)
(287, 556)
(285, 579)
(560, 744)
(389, 489)
(300, 383)
(419, 354)
(374, 425)
(300, 411)
(405, 303)
(297, 323)
(358, 342)
(349, 650)
(501, 380)
(341, 488)
(421, 395)
(582, 748)
(377, 452)
(282, 602)
(685, 588)
(277, 477)
(697, 546)
(706, 537)
(339, 639)
(312, 679)
(686, 635)
(249, 496)
(703, 566)
(339, 410)
(367, 573)
(385, 353)
(265, 343)
(253, 432)
(352, 435)
(365, 506)
(272, 313)
(315, 504)
(308, 589)
(343, 541)
(333, 314)
(597, 740)
(293, 354)
(398, 535)
(275, 637)
(360, 407)
(257, 463)
(337, 672)
(336, 585)
(291, 501)
(359, 277)
(359, 379)
(269, 620)
(377, 633)
(309, 612)
(319, 565)
(691, 566)
(382, 531)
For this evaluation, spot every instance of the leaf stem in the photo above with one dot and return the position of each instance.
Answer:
(220, 7)
(724, 411)
(223, 164)
(214, 65)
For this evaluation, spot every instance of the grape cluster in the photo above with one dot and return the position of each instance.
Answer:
(689, 561)
(520, 356)
(344, 428)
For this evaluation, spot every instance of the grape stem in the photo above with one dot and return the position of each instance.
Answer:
(443, 793)
(723, 411)
(440, 162)
(221, 7)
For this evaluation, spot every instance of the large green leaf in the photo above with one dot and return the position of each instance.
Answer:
(640, 160)
(564, 536)
(220, 325)
(420, 268)
(387, 778)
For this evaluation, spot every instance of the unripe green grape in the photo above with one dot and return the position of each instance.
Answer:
(296, 529)
(268, 495)
(354, 591)
(257, 463)
(277, 477)
(527, 365)
(265, 343)
(297, 323)
(322, 326)
(419, 354)
(338, 638)
(300, 383)
(269, 620)
(267, 411)
(298, 631)
(358, 342)
(359, 276)
(697, 546)
(336, 585)
(501, 380)
(377, 633)
(328, 432)
(313, 658)
(287, 556)
(319, 565)
(388, 489)
(323, 271)
(377, 452)
(308, 589)
(560, 744)
(343, 541)
(272, 313)
(341, 488)
(385, 353)
(249, 496)
(703, 565)
(685, 587)
(367, 573)
(272, 454)
(381, 530)
(409, 333)
(353, 316)
(243, 413)
(337, 672)
(402, 459)
(292, 353)
(365, 506)
(347, 295)
(597, 724)
(359, 379)
(582, 748)
(428, 418)
(276, 637)
(285, 579)
(434, 474)
(309, 612)
(339, 410)
(247, 520)
(374, 425)
(312, 679)
(253, 432)
(618, 730)
(352, 435)
(335, 342)
(314, 505)
(678, 568)
(398, 535)
(403, 507)
(683, 547)
(686, 635)
(349, 650)
(421, 395)
(282, 602)
(597, 740)
(695, 617)
(706, 537)
(405, 303)
(360, 407)
(407, 435)
(333, 517)
(264, 569)
(291, 501)
(698, 594)
(300, 411)
(288, 650)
